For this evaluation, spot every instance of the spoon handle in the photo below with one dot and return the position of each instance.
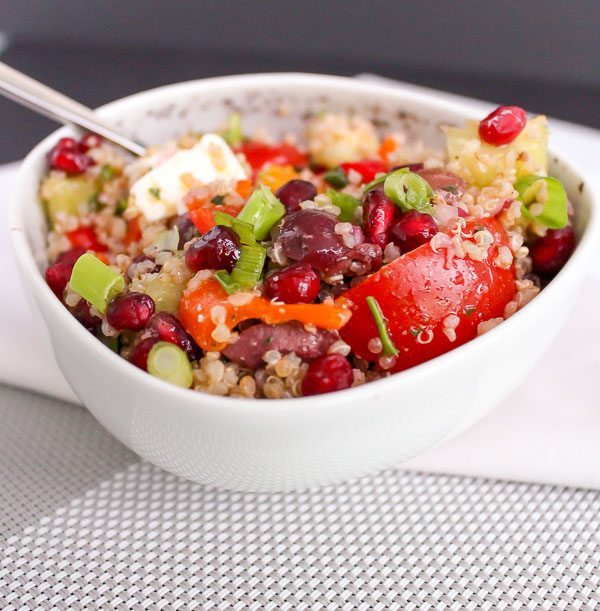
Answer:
(46, 101)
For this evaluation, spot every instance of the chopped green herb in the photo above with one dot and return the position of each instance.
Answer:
(336, 178)
(267, 340)
(218, 200)
(110, 342)
(107, 173)
(389, 349)
(121, 207)
(450, 189)
(94, 205)
(155, 192)
(346, 203)
(416, 331)
(469, 310)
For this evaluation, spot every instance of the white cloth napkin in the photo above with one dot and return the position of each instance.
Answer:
(547, 431)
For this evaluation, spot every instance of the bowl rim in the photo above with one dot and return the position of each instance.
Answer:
(238, 405)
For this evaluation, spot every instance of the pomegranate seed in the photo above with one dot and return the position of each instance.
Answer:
(378, 213)
(367, 169)
(130, 311)
(413, 229)
(326, 374)
(294, 192)
(169, 329)
(58, 274)
(139, 353)
(502, 125)
(70, 256)
(297, 283)
(552, 251)
(90, 141)
(84, 315)
(217, 249)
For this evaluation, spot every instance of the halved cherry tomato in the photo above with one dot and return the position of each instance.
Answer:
(204, 216)
(85, 237)
(195, 313)
(259, 153)
(418, 291)
(367, 169)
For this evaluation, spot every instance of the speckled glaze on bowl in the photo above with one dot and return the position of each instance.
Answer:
(290, 444)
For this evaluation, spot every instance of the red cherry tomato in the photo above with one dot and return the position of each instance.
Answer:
(85, 237)
(419, 290)
(367, 169)
(259, 153)
(502, 125)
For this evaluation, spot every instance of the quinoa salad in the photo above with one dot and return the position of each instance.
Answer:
(234, 264)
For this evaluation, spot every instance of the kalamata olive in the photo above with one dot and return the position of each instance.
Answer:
(294, 192)
(309, 236)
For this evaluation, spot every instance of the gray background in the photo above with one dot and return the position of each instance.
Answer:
(542, 54)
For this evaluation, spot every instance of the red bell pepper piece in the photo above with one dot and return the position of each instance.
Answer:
(259, 153)
(85, 237)
(367, 169)
(416, 293)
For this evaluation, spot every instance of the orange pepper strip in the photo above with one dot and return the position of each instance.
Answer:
(196, 307)
(387, 146)
(275, 176)
(244, 188)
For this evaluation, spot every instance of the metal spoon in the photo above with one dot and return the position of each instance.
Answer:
(46, 101)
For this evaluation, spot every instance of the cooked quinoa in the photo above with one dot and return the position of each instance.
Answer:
(333, 258)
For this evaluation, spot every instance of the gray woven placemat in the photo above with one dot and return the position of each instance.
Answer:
(86, 525)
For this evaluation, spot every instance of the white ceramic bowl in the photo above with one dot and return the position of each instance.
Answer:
(296, 443)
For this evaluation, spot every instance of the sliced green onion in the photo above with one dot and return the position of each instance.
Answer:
(380, 322)
(168, 239)
(381, 179)
(225, 280)
(262, 211)
(234, 135)
(95, 282)
(218, 200)
(170, 363)
(243, 229)
(336, 178)
(550, 194)
(249, 267)
(346, 203)
(409, 191)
